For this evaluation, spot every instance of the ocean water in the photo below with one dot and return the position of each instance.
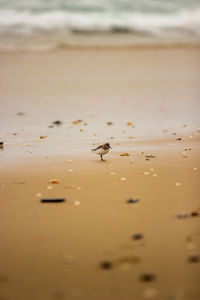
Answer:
(42, 24)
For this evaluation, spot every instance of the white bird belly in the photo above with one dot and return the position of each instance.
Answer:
(101, 151)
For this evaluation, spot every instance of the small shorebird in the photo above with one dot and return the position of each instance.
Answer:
(102, 149)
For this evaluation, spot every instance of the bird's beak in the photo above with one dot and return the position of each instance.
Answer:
(110, 147)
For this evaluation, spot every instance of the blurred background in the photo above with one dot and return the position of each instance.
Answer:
(47, 24)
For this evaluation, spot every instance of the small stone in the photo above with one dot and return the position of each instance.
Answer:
(193, 259)
(106, 265)
(81, 130)
(194, 213)
(178, 139)
(20, 113)
(52, 200)
(1, 145)
(147, 277)
(137, 236)
(57, 122)
(109, 123)
(132, 201)
(129, 123)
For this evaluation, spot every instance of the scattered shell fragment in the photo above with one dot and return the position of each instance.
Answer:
(54, 180)
(155, 175)
(124, 154)
(129, 123)
(123, 178)
(182, 215)
(49, 187)
(151, 169)
(38, 195)
(146, 173)
(43, 136)
(73, 187)
(194, 169)
(77, 203)
(178, 184)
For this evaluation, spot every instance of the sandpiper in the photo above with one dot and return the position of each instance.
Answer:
(102, 150)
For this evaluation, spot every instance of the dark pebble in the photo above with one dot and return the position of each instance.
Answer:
(109, 123)
(52, 200)
(194, 214)
(178, 139)
(20, 113)
(1, 144)
(106, 265)
(147, 158)
(57, 122)
(147, 277)
(138, 236)
(193, 259)
(51, 126)
(132, 201)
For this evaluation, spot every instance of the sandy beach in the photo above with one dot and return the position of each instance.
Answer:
(97, 244)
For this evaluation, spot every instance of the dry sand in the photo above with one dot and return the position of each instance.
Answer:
(55, 251)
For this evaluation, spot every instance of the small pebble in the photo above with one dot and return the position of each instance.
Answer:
(178, 139)
(1, 145)
(193, 259)
(57, 122)
(137, 236)
(132, 201)
(129, 123)
(194, 213)
(109, 123)
(147, 277)
(106, 265)
(52, 200)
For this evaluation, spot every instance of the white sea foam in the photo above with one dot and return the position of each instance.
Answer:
(17, 24)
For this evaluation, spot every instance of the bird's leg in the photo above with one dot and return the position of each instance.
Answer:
(102, 158)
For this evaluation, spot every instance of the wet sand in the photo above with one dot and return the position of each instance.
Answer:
(56, 250)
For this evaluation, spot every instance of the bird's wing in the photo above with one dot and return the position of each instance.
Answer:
(97, 148)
